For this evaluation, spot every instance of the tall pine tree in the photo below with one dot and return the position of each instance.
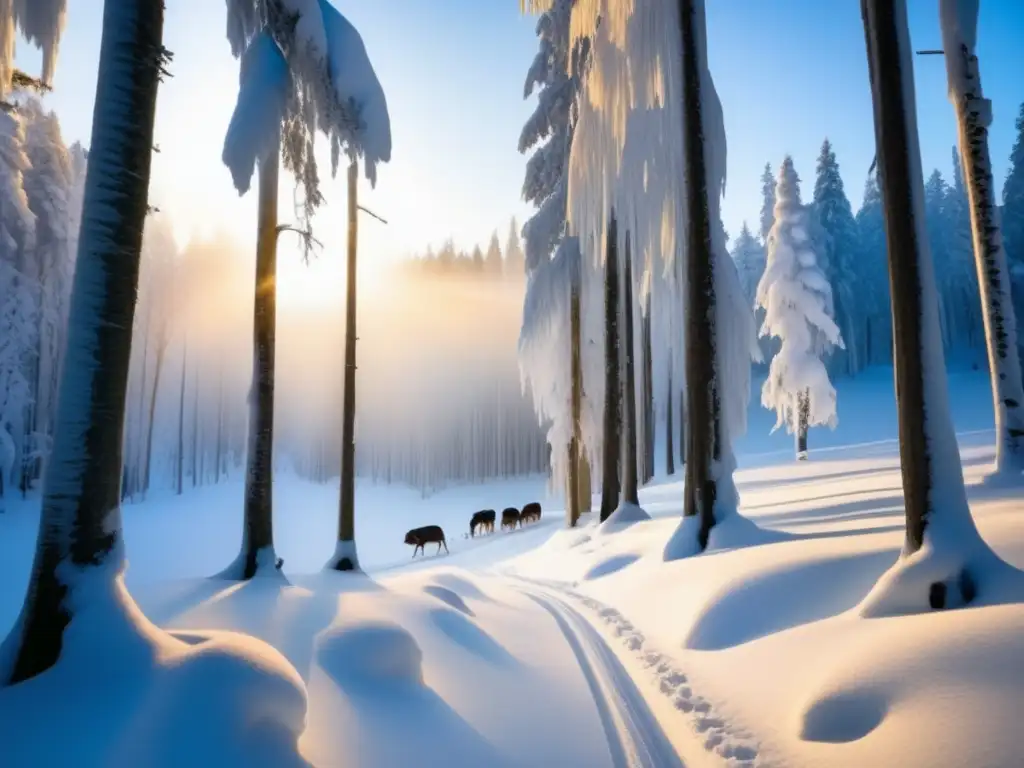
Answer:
(1013, 217)
(767, 201)
(835, 217)
(874, 293)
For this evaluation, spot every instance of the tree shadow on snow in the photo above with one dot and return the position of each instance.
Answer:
(788, 597)
(467, 635)
(286, 615)
(399, 723)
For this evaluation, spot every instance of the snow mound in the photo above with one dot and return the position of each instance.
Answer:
(266, 566)
(370, 652)
(954, 567)
(626, 515)
(129, 694)
(731, 532)
(448, 597)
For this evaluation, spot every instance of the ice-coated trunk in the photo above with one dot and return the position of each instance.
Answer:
(928, 454)
(258, 523)
(611, 439)
(576, 373)
(80, 523)
(973, 112)
(803, 413)
(629, 441)
(670, 452)
(703, 405)
(345, 558)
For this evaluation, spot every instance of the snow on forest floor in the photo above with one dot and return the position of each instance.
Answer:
(582, 648)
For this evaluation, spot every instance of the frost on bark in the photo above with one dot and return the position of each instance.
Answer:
(944, 561)
(974, 115)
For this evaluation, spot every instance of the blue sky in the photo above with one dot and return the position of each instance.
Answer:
(789, 73)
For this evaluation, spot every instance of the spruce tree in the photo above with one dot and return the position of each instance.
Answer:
(1013, 214)
(939, 226)
(961, 257)
(874, 293)
(492, 261)
(835, 217)
(749, 257)
(767, 201)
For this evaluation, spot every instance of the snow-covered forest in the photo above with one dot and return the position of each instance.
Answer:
(570, 420)
(42, 183)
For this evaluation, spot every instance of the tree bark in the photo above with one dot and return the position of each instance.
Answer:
(576, 372)
(649, 428)
(703, 400)
(973, 113)
(629, 437)
(911, 278)
(345, 558)
(80, 524)
(670, 452)
(612, 442)
(803, 417)
(258, 525)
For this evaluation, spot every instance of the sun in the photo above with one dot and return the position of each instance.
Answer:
(320, 284)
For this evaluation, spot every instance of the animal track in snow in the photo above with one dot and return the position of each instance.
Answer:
(714, 732)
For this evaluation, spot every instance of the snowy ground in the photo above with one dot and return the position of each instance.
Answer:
(550, 647)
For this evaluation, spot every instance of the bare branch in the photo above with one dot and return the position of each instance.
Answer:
(308, 241)
(367, 210)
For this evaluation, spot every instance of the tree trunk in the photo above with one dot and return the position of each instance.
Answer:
(345, 558)
(925, 427)
(576, 373)
(181, 424)
(219, 446)
(585, 486)
(80, 526)
(195, 429)
(136, 471)
(258, 526)
(1000, 323)
(649, 428)
(670, 453)
(612, 442)
(683, 444)
(803, 408)
(157, 368)
(702, 402)
(629, 441)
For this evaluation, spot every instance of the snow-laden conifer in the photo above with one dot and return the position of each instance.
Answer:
(797, 299)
